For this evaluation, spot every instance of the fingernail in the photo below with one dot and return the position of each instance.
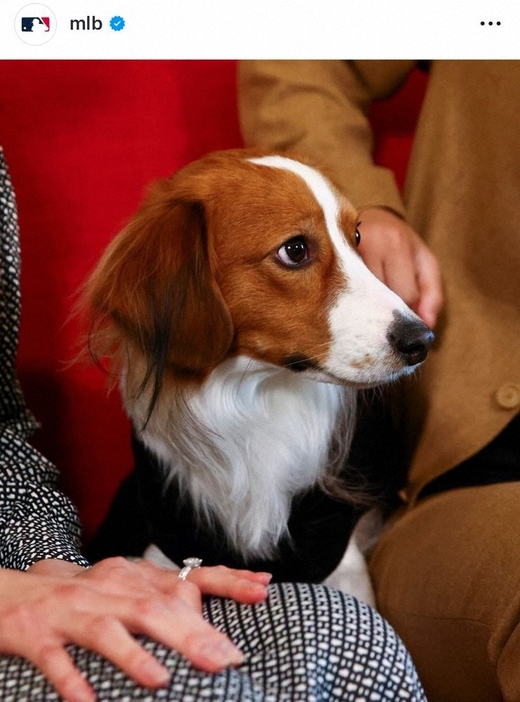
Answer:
(264, 578)
(222, 653)
(81, 694)
(154, 672)
(259, 589)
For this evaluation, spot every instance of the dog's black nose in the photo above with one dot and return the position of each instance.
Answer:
(411, 338)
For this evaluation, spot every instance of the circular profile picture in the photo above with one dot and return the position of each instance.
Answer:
(35, 24)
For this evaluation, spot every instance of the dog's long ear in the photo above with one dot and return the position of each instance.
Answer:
(155, 289)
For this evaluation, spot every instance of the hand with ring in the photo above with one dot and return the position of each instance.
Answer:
(57, 603)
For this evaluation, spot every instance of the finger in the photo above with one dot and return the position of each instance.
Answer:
(199, 641)
(388, 246)
(400, 275)
(183, 628)
(260, 577)
(187, 592)
(55, 664)
(394, 266)
(257, 576)
(175, 621)
(107, 636)
(160, 572)
(371, 258)
(242, 585)
(430, 285)
(227, 582)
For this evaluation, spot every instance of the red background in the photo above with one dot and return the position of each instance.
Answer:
(83, 139)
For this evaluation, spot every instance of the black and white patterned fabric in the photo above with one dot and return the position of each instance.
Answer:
(306, 643)
(36, 520)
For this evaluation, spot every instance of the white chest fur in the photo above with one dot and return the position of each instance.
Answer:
(246, 442)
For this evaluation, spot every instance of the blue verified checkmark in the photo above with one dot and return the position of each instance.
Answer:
(117, 23)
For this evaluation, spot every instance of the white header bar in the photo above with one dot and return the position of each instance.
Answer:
(230, 29)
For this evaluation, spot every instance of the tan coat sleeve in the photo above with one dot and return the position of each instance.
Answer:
(319, 109)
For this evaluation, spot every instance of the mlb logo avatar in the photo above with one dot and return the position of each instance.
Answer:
(35, 24)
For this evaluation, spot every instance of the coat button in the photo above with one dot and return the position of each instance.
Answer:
(508, 395)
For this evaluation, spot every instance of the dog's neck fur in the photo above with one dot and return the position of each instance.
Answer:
(245, 443)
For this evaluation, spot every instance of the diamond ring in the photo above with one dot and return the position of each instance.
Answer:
(189, 564)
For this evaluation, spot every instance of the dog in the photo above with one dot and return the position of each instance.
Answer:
(242, 322)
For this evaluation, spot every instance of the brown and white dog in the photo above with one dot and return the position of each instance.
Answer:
(243, 321)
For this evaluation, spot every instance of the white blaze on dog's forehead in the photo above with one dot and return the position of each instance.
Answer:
(321, 189)
(353, 267)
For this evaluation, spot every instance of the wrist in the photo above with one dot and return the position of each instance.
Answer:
(56, 567)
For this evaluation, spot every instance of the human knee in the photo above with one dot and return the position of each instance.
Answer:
(351, 649)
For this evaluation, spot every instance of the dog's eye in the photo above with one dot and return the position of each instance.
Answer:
(294, 252)
(357, 237)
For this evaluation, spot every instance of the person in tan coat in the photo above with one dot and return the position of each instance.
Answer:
(447, 568)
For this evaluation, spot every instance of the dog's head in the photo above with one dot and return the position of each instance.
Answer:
(254, 255)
